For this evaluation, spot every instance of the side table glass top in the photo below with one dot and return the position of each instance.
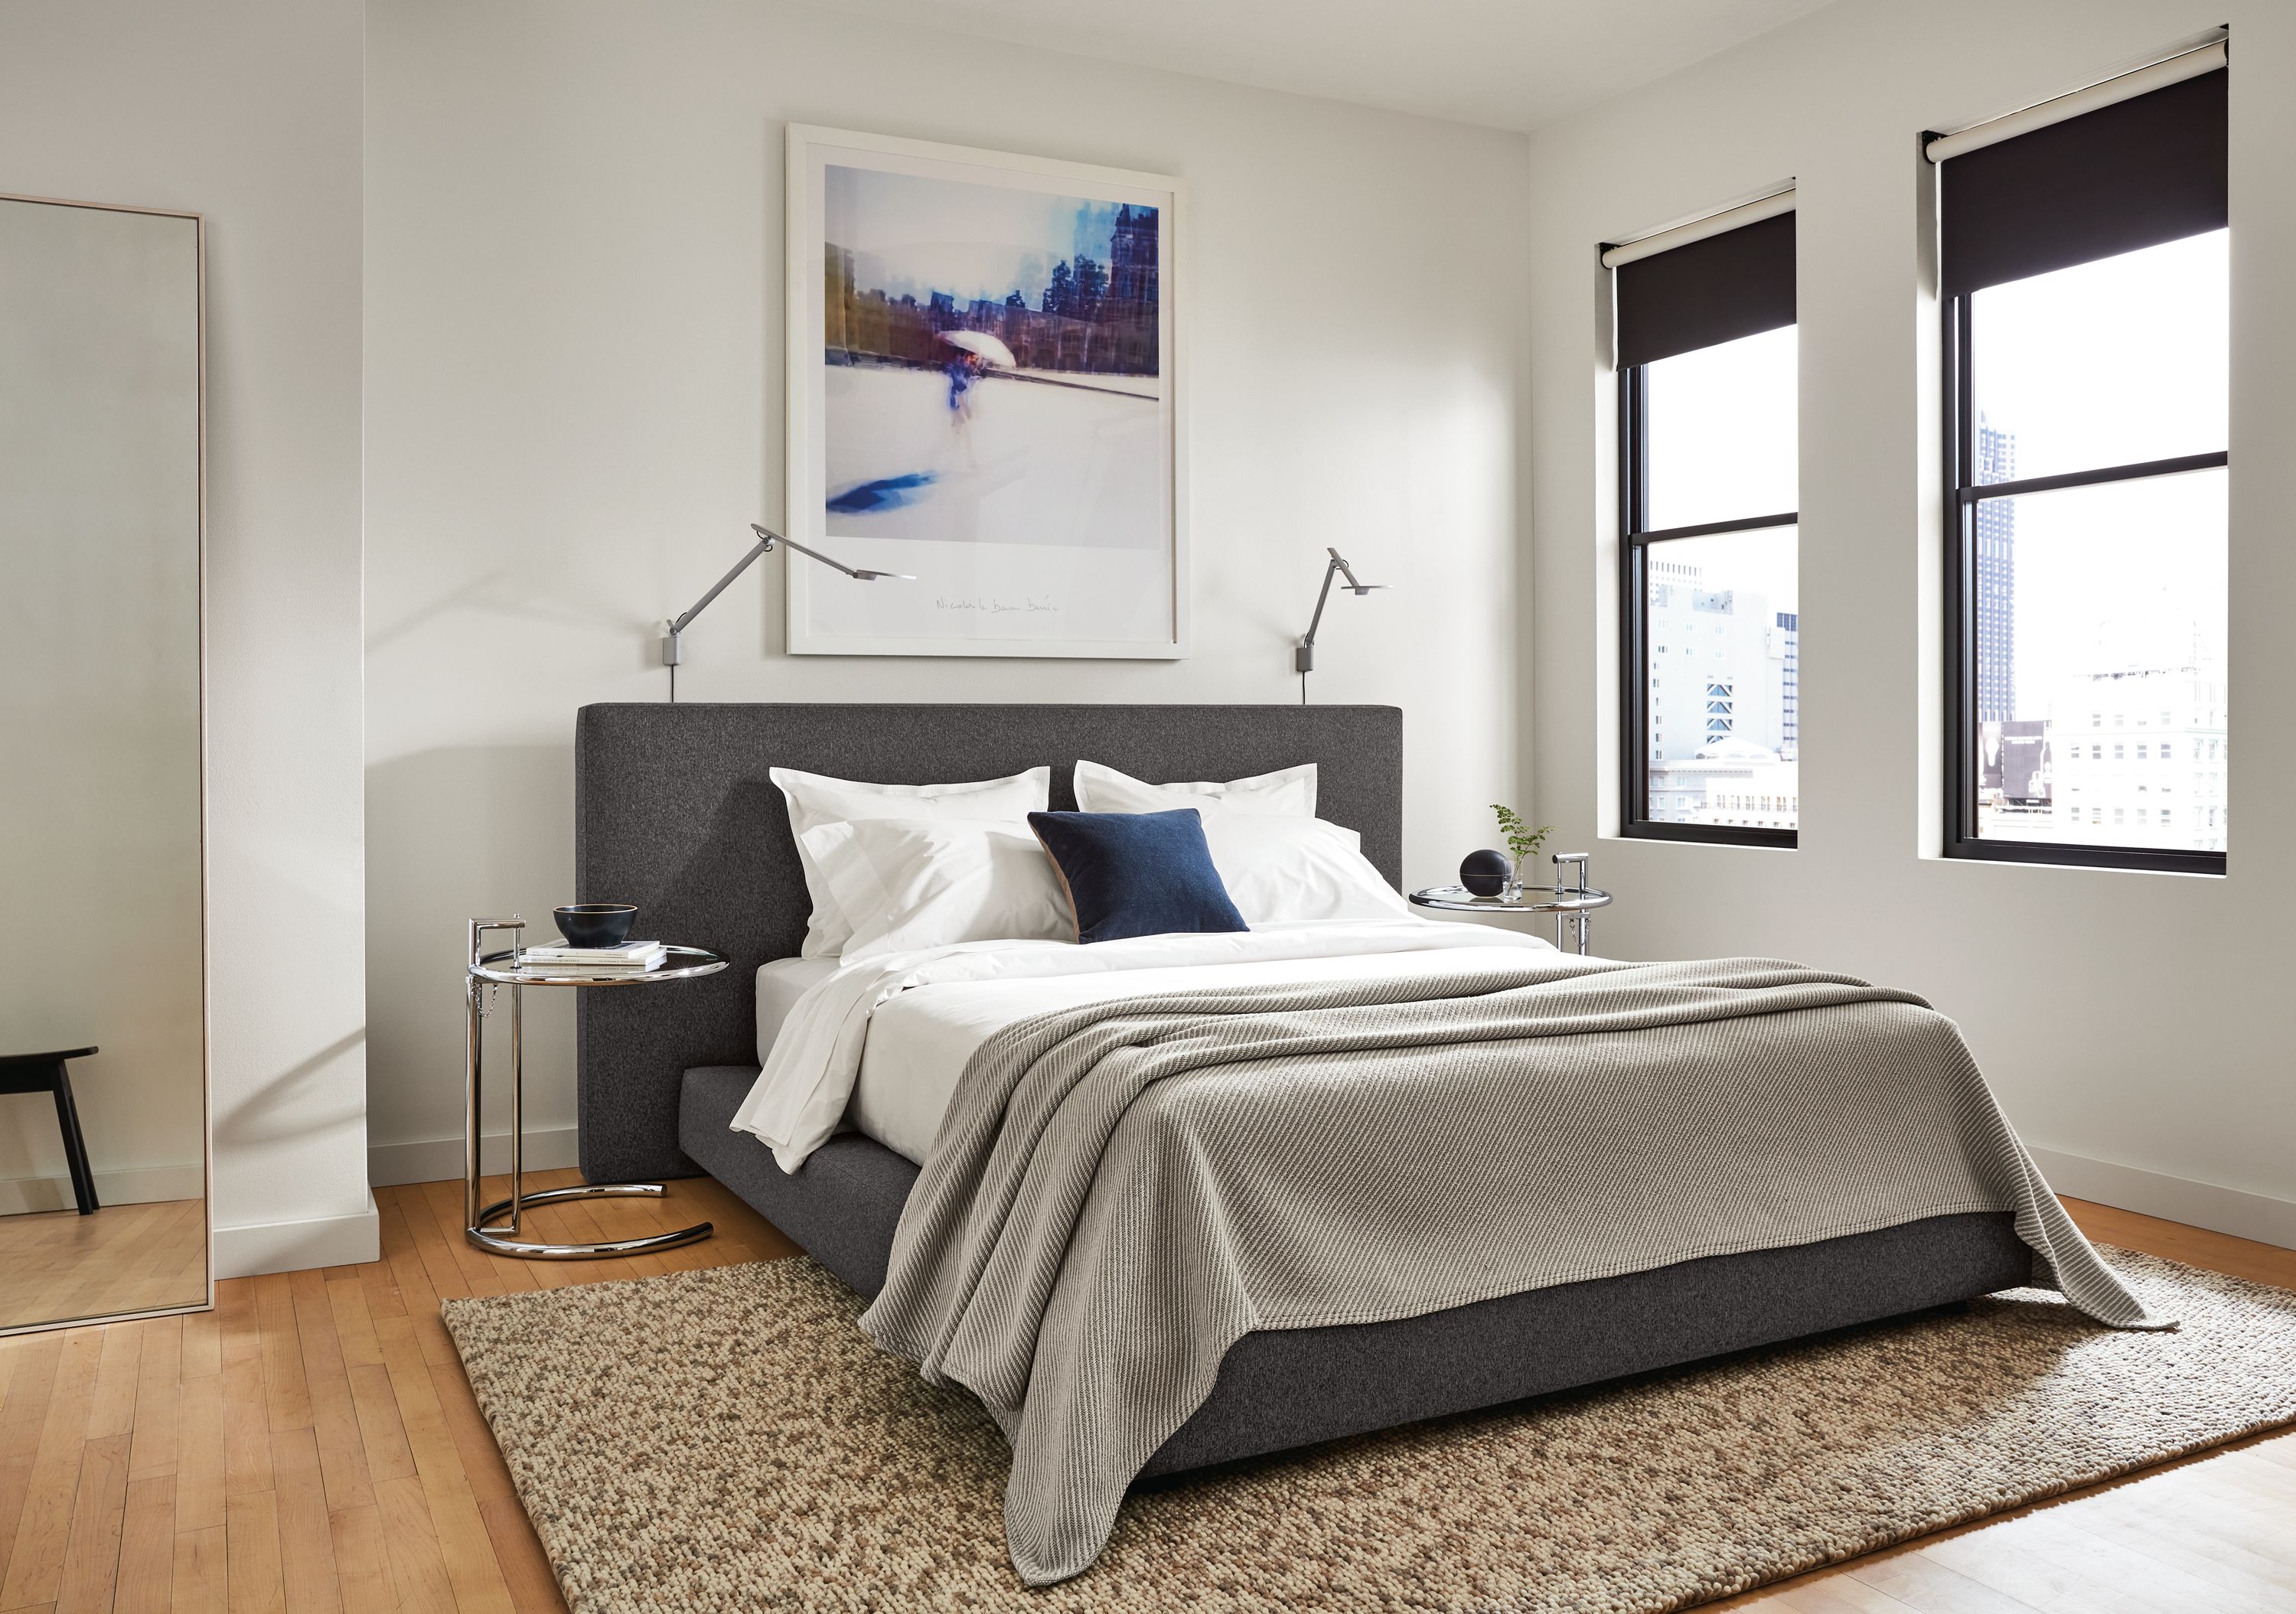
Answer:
(1525, 899)
(684, 964)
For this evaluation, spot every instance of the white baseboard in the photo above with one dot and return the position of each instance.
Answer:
(436, 1160)
(2233, 1210)
(143, 1185)
(250, 1251)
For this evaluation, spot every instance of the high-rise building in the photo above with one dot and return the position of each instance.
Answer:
(1724, 702)
(1790, 685)
(2140, 759)
(1718, 665)
(1995, 580)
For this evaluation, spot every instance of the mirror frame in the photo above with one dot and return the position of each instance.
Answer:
(207, 1006)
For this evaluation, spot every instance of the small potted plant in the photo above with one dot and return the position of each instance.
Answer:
(1522, 843)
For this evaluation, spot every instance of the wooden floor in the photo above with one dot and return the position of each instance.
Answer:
(311, 1445)
(123, 1258)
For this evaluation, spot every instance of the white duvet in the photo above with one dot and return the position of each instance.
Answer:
(918, 1016)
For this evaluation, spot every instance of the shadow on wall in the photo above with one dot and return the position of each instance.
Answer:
(453, 835)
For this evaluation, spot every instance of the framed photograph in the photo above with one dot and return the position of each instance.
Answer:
(984, 395)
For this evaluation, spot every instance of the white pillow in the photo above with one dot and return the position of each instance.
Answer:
(815, 799)
(1290, 792)
(1290, 871)
(929, 882)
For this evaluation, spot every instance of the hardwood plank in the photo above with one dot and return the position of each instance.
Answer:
(160, 1375)
(202, 1578)
(251, 1546)
(474, 1442)
(285, 1395)
(1933, 1587)
(2038, 1560)
(147, 1546)
(237, 1327)
(362, 1564)
(202, 1345)
(334, 1416)
(526, 1568)
(418, 1568)
(383, 1438)
(31, 1386)
(35, 1562)
(200, 1479)
(2194, 1246)
(246, 1426)
(461, 1532)
(92, 1548)
(306, 1547)
(354, 1324)
(1838, 1594)
(112, 1410)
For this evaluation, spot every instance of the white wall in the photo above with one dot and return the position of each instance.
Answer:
(2135, 1025)
(248, 111)
(574, 385)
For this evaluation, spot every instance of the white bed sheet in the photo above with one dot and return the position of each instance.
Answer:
(779, 983)
(812, 1068)
(919, 1042)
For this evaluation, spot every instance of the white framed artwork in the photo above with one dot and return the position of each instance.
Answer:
(984, 394)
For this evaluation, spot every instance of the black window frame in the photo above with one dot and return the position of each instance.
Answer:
(1635, 542)
(1964, 496)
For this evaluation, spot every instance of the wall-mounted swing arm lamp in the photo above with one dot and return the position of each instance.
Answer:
(1303, 654)
(673, 651)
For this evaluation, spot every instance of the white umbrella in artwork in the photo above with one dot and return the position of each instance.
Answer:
(981, 342)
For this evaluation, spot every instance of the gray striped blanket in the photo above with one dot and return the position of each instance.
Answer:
(1122, 1190)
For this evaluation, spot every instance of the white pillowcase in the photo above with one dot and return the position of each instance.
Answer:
(1290, 792)
(1291, 871)
(914, 882)
(815, 799)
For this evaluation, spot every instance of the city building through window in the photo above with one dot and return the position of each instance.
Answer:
(1708, 501)
(2086, 293)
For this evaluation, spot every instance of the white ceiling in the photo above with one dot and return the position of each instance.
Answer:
(1513, 64)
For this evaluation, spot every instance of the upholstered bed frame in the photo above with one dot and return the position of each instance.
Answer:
(674, 812)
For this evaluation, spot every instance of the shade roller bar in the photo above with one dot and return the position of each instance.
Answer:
(1699, 229)
(2128, 86)
(2131, 173)
(1714, 290)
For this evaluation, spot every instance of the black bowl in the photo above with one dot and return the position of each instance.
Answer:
(595, 924)
(1486, 873)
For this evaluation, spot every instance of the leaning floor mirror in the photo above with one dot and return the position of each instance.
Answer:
(103, 1085)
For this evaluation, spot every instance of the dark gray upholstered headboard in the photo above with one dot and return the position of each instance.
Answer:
(673, 812)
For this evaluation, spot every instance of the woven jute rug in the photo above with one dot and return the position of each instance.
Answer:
(727, 1440)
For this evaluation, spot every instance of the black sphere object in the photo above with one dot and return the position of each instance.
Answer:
(594, 925)
(1486, 873)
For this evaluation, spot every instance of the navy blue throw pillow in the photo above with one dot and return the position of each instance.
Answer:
(1136, 874)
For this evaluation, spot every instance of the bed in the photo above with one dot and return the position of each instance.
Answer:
(674, 814)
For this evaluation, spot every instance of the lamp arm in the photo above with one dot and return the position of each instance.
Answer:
(1307, 640)
(764, 544)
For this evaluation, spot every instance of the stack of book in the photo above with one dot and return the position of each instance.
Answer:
(630, 958)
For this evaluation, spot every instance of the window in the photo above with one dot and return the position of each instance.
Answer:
(2085, 292)
(1708, 494)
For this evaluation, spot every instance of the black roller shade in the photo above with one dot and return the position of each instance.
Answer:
(2131, 174)
(1738, 284)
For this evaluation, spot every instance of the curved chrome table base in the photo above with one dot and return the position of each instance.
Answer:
(480, 1227)
(487, 1236)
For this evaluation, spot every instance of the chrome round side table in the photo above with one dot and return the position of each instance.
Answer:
(1570, 904)
(483, 1225)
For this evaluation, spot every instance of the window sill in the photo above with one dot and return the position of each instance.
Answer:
(1710, 834)
(2114, 859)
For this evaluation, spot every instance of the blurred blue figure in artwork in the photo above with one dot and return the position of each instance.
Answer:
(975, 352)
